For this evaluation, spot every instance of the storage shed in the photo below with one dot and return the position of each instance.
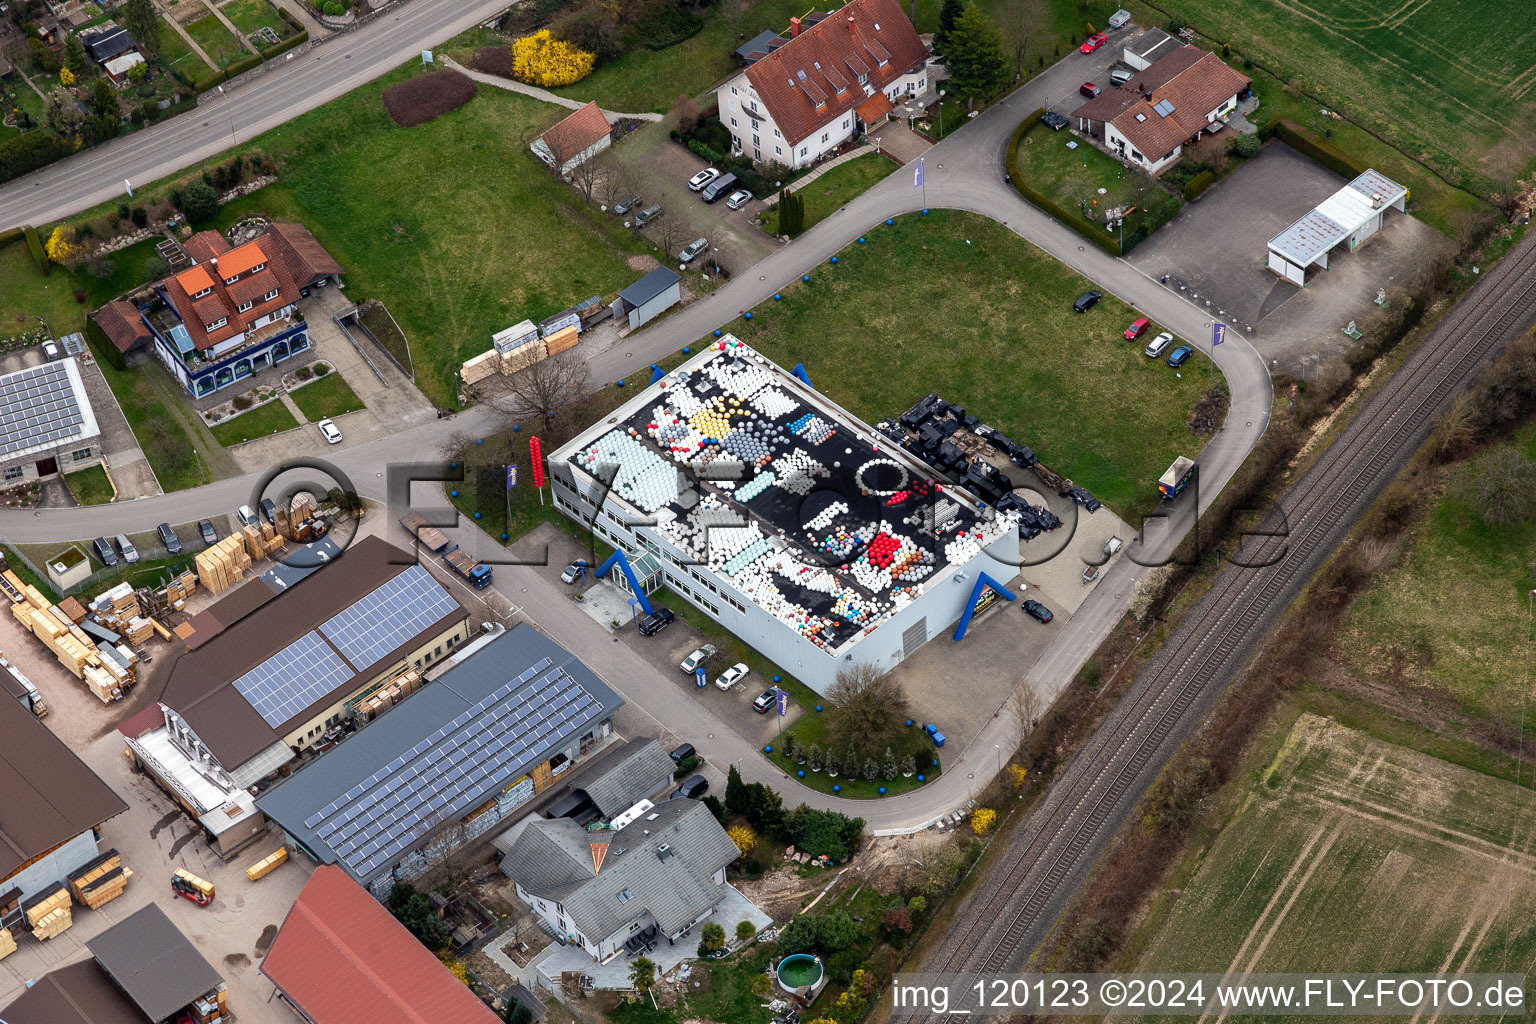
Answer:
(1351, 215)
(649, 297)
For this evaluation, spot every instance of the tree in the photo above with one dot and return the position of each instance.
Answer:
(549, 387)
(948, 15)
(517, 1012)
(917, 904)
(43, 57)
(871, 769)
(745, 930)
(642, 973)
(813, 757)
(851, 763)
(585, 176)
(136, 75)
(867, 707)
(104, 97)
(711, 939)
(1226, 51)
(415, 911)
(74, 56)
(61, 247)
(199, 202)
(888, 765)
(685, 115)
(799, 936)
(835, 930)
(744, 838)
(141, 21)
(1499, 485)
(140, 216)
(618, 182)
(66, 77)
(765, 808)
(819, 832)
(788, 746)
(735, 792)
(62, 113)
(977, 66)
(791, 213)
(909, 766)
(671, 236)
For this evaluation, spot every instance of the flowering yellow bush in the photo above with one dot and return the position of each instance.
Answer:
(1018, 775)
(61, 246)
(455, 966)
(66, 76)
(743, 837)
(541, 59)
(982, 820)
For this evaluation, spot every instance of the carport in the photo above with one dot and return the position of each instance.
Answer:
(1353, 213)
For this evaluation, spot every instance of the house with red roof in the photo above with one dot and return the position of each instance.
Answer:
(1179, 97)
(233, 312)
(341, 958)
(574, 140)
(838, 75)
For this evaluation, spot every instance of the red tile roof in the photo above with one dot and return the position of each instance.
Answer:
(874, 108)
(223, 303)
(808, 69)
(238, 261)
(121, 323)
(575, 134)
(1193, 81)
(342, 959)
(206, 245)
(294, 247)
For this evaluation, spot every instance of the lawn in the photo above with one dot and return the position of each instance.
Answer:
(1075, 177)
(841, 184)
(90, 486)
(1327, 848)
(176, 55)
(1425, 77)
(271, 418)
(328, 396)
(998, 335)
(216, 41)
(251, 16)
(128, 266)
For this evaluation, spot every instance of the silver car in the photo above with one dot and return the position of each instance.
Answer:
(1159, 343)
(738, 199)
(693, 250)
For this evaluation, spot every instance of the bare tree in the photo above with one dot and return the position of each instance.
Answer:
(671, 236)
(1499, 486)
(584, 177)
(618, 181)
(685, 114)
(868, 707)
(549, 386)
(1026, 706)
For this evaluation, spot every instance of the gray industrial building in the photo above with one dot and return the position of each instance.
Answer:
(780, 515)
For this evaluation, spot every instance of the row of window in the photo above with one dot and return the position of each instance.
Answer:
(256, 269)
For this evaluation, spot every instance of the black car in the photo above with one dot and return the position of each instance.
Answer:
(1037, 611)
(1054, 121)
(169, 539)
(693, 787)
(657, 621)
(683, 753)
(105, 552)
(1086, 300)
(269, 510)
(626, 204)
(205, 527)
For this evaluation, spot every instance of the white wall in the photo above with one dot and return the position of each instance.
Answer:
(54, 868)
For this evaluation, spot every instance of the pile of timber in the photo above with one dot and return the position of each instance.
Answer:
(223, 565)
(265, 866)
(118, 610)
(108, 670)
(101, 881)
(50, 915)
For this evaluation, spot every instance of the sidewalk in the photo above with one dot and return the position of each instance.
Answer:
(541, 94)
(799, 183)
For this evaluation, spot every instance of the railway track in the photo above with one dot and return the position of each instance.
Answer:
(1029, 885)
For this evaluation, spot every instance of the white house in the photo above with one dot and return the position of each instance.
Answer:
(830, 82)
(574, 140)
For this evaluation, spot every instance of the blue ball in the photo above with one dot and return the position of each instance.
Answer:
(453, 494)
(834, 259)
(479, 440)
(775, 678)
(801, 773)
(818, 707)
(686, 350)
(935, 762)
(621, 383)
(909, 723)
(503, 536)
(516, 428)
(746, 316)
(836, 788)
(777, 297)
(477, 515)
(717, 334)
(889, 222)
(925, 212)
(882, 791)
(768, 750)
(921, 778)
(805, 277)
(453, 465)
(861, 239)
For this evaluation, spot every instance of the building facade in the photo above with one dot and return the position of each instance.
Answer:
(47, 426)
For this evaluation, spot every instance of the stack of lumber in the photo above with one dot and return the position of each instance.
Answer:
(388, 695)
(118, 609)
(264, 867)
(561, 340)
(260, 541)
(222, 565)
(107, 673)
(73, 609)
(480, 367)
(7, 943)
(179, 589)
(50, 916)
(101, 881)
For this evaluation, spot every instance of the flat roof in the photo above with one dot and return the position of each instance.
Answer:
(50, 795)
(43, 408)
(786, 498)
(1337, 217)
(443, 751)
(153, 963)
(270, 660)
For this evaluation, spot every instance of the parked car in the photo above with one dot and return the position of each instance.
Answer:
(683, 753)
(738, 199)
(693, 787)
(1137, 329)
(1159, 343)
(1177, 357)
(210, 535)
(1086, 300)
(1037, 611)
(693, 250)
(719, 188)
(329, 431)
(1119, 76)
(697, 658)
(764, 701)
(169, 539)
(647, 215)
(731, 676)
(246, 515)
(1089, 89)
(104, 552)
(657, 621)
(1054, 121)
(269, 510)
(126, 549)
(573, 571)
(626, 204)
(1093, 42)
(704, 177)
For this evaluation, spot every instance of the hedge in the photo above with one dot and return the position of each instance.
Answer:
(1103, 241)
(30, 150)
(242, 65)
(286, 44)
(1198, 184)
(1291, 134)
(8, 236)
(35, 247)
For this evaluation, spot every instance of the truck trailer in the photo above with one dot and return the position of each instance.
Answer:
(477, 573)
(430, 537)
(1172, 483)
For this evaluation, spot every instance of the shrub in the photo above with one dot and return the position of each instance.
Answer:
(122, 208)
(669, 26)
(244, 402)
(711, 939)
(140, 216)
(321, 369)
(541, 59)
(493, 60)
(1292, 135)
(30, 150)
(982, 820)
(199, 202)
(1198, 184)
(426, 97)
(35, 247)
(243, 65)
(1247, 146)
(745, 930)
(61, 246)
(743, 837)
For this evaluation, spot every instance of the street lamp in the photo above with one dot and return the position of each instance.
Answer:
(941, 113)
(231, 112)
(998, 747)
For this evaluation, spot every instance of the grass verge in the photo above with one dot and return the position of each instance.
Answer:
(271, 418)
(90, 486)
(838, 186)
(329, 396)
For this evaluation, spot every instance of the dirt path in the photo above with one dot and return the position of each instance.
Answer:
(541, 94)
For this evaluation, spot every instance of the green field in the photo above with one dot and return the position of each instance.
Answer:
(328, 396)
(90, 486)
(176, 55)
(1073, 178)
(1446, 81)
(1350, 854)
(216, 41)
(253, 15)
(841, 184)
(990, 325)
(271, 418)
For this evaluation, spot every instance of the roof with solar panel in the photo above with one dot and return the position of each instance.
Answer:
(44, 408)
(469, 736)
(281, 655)
(786, 498)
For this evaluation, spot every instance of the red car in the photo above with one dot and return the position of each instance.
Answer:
(1089, 89)
(1137, 329)
(1095, 41)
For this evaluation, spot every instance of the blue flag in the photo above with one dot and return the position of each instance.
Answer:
(917, 176)
(511, 477)
(1218, 333)
(782, 696)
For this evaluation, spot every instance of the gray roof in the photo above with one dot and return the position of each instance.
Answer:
(649, 286)
(676, 885)
(153, 963)
(443, 751)
(626, 775)
(1153, 43)
(108, 42)
(760, 44)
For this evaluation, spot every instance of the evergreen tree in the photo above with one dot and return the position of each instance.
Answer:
(791, 213)
(977, 65)
(104, 98)
(642, 973)
(735, 793)
(74, 56)
(141, 21)
(871, 769)
(888, 765)
(851, 764)
(909, 766)
(787, 746)
(948, 15)
(813, 757)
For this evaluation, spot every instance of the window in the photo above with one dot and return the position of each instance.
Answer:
(802, 151)
(232, 280)
(258, 267)
(823, 137)
(438, 651)
(205, 291)
(243, 307)
(845, 122)
(756, 141)
(220, 322)
(80, 454)
(733, 90)
(863, 79)
(776, 134)
(13, 473)
(269, 296)
(733, 122)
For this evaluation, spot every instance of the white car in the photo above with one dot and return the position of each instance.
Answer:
(704, 177)
(1159, 343)
(738, 199)
(693, 661)
(693, 250)
(329, 431)
(731, 676)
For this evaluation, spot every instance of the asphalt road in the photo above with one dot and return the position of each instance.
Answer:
(303, 82)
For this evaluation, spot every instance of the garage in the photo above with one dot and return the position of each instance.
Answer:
(1348, 217)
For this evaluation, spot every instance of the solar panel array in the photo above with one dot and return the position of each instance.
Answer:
(37, 406)
(372, 822)
(375, 625)
(293, 679)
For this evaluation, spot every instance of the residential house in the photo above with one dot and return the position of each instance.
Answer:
(574, 140)
(229, 315)
(1177, 99)
(47, 426)
(614, 781)
(827, 84)
(110, 46)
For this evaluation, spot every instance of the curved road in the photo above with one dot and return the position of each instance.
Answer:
(965, 171)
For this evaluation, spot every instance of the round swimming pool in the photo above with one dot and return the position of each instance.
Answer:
(800, 971)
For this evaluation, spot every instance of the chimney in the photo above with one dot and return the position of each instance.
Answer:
(850, 24)
(794, 27)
